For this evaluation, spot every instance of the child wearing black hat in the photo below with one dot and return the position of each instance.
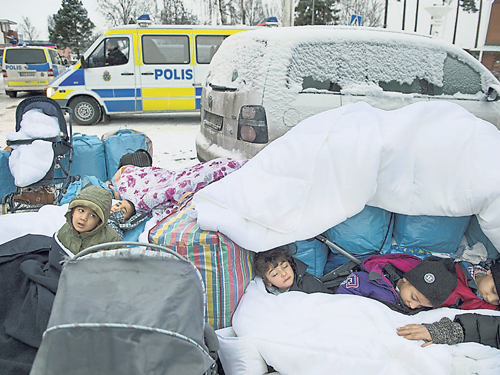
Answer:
(478, 328)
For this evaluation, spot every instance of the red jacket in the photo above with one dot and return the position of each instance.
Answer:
(463, 297)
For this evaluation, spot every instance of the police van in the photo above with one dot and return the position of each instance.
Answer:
(140, 68)
(30, 68)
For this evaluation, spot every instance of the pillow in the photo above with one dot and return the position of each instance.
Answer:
(239, 355)
(437, 234)
(365, 233)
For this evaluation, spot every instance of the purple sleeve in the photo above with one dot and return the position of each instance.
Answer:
(359, 283)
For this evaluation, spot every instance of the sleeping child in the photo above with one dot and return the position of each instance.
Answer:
(407, 284)
(282, 273)
(123, 217)
(483, 329)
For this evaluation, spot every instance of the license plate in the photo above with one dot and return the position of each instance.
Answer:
(27, 74)
(213, 120)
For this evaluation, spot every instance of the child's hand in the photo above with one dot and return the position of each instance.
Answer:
(415, 332)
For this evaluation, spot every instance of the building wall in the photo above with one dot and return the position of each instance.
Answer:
(493, 34)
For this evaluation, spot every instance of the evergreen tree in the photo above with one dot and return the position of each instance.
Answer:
(71, 27)
(468, 6)
(325, 12)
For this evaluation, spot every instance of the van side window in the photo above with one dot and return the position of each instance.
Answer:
(206, 46)
(111, 51)
(165, 49)
(54, 57)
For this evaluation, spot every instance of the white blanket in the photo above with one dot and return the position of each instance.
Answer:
(317, 334)
(47, 220)
(429, 158)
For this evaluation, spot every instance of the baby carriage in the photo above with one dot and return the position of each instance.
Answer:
(134, 310)
(40, 144)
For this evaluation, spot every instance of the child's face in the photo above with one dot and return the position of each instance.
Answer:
(411, 296)
(124, 207)
(84, 219)
(487, 290)
(281, 276)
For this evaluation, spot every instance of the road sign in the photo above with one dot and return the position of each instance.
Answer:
(355, 20)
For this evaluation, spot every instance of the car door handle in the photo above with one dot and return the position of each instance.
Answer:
(127, 74)
(147, 74)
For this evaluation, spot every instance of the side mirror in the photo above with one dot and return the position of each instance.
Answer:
(83, 62)
(493, 93)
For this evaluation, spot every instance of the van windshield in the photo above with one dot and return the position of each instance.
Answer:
(25, 56)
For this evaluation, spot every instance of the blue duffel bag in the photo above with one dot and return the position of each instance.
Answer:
(121, 142)
(7, 185)
(88, 157)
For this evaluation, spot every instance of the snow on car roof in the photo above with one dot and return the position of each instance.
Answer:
(379, 54)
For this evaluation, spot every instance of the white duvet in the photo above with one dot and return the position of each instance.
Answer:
(428, 158)
(299, 333)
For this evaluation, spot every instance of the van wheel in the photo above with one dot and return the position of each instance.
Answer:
(11, 94)
(86, 110)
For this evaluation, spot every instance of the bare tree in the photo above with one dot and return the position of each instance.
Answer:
(123, 12)
(28, 30)
(371, 11)
(174, 13)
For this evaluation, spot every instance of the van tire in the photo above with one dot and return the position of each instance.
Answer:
(11, 94)
(86, 110)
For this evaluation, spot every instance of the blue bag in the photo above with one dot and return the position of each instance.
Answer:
(313, 253)
(475, 234)
(437, 234)
(368, 232)
(7, 185)
(88, 157)
(121, 142)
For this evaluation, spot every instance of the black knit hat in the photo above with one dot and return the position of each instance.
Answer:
(139, 158)
(435, 278)
(495, 272)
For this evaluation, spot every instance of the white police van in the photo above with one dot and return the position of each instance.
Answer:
(30, 69)
(140, 68)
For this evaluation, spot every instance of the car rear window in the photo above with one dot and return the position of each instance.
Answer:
(239, 63)
(25, 56)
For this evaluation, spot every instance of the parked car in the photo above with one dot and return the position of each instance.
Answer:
(261, 83)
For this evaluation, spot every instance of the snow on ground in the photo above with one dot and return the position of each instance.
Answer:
(173, 135)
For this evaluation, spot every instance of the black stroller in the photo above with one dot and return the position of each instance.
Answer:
(133, 310)
(50, 188)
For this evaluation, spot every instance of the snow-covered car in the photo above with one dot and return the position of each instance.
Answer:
(261, 83)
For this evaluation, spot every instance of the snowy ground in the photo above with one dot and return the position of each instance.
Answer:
(173, 135)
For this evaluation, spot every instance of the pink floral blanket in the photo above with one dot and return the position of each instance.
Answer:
(158, 189)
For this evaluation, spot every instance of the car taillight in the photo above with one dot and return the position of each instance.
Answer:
(50, 73)
(252, 124)
(4, 73)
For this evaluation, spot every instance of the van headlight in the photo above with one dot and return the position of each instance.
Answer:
(51, 91)
(252, 124)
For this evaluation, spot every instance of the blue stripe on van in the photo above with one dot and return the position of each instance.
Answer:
(138, 105)
(76, 78)
(138, 93)
(38, 67)
(120, 105)
(197, 103)
(197, 91)
(115, 93)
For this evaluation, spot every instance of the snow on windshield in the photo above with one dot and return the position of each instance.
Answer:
(343, 59)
